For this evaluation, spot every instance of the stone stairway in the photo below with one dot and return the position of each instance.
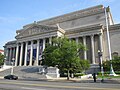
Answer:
(25, 72)
(94, 68)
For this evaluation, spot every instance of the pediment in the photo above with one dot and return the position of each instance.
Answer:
(36, 29)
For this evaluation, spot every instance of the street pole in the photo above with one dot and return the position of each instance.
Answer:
(101, 64)
(112, 73)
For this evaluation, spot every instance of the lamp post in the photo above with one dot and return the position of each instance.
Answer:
(13, 59)
(112, 73)
(101, 64)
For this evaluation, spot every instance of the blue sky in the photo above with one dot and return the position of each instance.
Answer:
(14, 14)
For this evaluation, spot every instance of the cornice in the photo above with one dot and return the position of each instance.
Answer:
(35, 24)
(83, 29)
(73, 15)
(114, 27)
(11, 42)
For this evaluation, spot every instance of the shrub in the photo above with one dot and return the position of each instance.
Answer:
(115, 63)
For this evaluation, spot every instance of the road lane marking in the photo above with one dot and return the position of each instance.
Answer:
(28, 88)
(53, 86)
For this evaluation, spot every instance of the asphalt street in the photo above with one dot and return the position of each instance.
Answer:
(53, 85)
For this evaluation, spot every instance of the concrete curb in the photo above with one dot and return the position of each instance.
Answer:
(72, 80)
(75, 80)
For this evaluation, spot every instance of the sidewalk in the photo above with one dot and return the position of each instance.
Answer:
(76, 80)
(90, 80)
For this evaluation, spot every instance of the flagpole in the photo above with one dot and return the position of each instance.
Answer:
(112, 73)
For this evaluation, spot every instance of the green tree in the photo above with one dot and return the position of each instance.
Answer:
(66, 55)
(115, 63)
(1, 59)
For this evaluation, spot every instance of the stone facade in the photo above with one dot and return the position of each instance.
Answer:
(87, 26)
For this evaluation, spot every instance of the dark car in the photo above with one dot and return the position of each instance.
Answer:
(11, 77)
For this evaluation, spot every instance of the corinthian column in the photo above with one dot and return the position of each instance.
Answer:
(26, 48)
(37, 56)
(43, 44)
(7, 54)
(21, 54)
(50, 40)
(16, 58)
(10, 57)
(84, 43)
(101, 43)
(31, 54)
(77, 40)
(93, 49)
(13, 56)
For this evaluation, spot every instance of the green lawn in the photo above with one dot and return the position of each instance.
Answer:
(109, 77)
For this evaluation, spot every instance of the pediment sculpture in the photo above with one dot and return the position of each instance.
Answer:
(35, 29)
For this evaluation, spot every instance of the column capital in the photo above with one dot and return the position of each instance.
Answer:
(92, 35)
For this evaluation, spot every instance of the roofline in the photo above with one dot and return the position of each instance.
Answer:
(72, 15)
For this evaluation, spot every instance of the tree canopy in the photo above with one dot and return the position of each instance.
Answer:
(65, 54)
(1, 59)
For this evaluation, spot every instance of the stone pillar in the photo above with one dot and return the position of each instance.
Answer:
(16, 57)
(43, 44)
(21, 54)
(50, 40)
(93, 49)
(13, 56)
(13, 53)
(26, 48)
(31, 54)
(37, 56)
(77, 40)
(7, 55)
(10, 56)
(84, 43)
(101, 44)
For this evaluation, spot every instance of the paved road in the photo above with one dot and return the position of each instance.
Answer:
(53, 85)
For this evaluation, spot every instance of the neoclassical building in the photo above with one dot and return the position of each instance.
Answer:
(94, 27)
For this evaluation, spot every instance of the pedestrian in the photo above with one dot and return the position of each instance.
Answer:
(94, 77)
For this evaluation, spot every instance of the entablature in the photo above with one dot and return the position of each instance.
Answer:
(84, 29)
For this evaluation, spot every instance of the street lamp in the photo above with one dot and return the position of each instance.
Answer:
(13, 59)
(101, 64)
(112, 73)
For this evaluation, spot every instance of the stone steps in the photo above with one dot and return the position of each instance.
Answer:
(25, 72)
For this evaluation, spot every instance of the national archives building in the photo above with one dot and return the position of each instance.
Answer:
(88, 26)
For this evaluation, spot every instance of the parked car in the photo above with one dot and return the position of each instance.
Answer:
(11, 77)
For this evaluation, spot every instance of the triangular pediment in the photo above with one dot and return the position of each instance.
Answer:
(36, 29)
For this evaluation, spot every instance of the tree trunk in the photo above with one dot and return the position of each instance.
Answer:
(68, 75)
